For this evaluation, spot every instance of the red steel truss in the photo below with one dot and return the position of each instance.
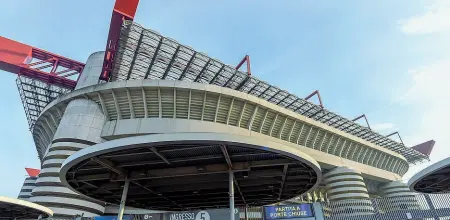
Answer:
(123, 10)
(34, 63)
(43, 76)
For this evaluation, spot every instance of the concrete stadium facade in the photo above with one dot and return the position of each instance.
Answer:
(97, 113)
(140, 106)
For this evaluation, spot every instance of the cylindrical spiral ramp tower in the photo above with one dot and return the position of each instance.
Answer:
(397, 196)
(28, 184)
(79, 127)
(347, 192)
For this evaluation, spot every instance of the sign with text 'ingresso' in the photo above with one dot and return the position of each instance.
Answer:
(210, 214)
(288, 211)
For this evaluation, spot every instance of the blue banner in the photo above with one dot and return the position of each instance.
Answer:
(288, 211)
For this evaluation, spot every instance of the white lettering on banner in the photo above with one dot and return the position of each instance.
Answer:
(288, 211)
(183, 216)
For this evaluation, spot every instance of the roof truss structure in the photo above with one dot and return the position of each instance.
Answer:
(146, 54)
(191, 176)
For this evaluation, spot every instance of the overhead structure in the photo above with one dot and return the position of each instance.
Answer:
(133, 52)
(185, 172)
(31, 62)
(20, 209)
(42, 76)
(223, 137)
(124, 10)
(435, 179)
(146, 54)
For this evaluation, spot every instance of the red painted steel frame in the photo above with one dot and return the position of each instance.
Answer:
(15, 57)
(318, 96)
(123, 10)
(365, 118)
(33, 172)
(246, 58)
(425, 148)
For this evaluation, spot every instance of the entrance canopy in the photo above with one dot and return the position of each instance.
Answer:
(20, 209)
(433, 179)
(190, 171)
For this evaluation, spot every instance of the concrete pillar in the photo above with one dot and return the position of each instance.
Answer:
(92, 70)
(318, 211)
(347, 192)
(399, 197)
(28, 185)
(80, 127)
(231, 193)
(246, 212)
(123, 200)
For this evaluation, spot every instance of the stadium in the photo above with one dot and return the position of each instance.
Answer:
(170, 109)
(169, 128)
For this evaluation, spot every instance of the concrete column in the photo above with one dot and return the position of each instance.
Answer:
(400, 197)
(231, 192)
(80, 127)
(92, 70)
(246, 212)
(28, 185)
(123, 199)
(347, 192)
(318, 211)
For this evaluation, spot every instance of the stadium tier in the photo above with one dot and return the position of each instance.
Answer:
(176, 128)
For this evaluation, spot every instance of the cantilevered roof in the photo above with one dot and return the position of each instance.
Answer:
(15, 208)
(143, 53)
(183, 171)
(433, 179)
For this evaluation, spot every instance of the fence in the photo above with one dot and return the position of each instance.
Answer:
(253, 213)
(421, 206)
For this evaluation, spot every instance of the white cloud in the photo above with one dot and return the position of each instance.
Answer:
(435, 18)
(431, 92)
(382, 126)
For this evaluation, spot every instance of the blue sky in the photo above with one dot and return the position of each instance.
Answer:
(387, 59)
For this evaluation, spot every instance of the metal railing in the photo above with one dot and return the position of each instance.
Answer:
(419, 206)
(253, 213)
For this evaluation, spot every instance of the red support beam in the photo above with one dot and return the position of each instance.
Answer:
(15, 57)
(363, 116)
(55, 66)
(41, 62)
(245, 59)
(318, 97)
(32, 172)
(123, 10)
(425, 148)
(68, 70)
(398, 134)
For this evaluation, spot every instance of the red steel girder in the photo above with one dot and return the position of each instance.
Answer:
(16, 57)
(245, 59)
(318, 97)
(123, 10)
(33, 172)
